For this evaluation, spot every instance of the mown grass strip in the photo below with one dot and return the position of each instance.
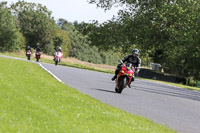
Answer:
(33, 101)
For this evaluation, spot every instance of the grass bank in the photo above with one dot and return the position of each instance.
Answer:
(33, 101)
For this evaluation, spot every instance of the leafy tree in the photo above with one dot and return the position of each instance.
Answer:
(171, 35)
(166, 30)
(36, 24)
(10, 37)
(61, 39)
(81, 47)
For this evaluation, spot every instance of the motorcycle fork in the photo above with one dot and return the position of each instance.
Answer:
(129, 80)
(117, 80)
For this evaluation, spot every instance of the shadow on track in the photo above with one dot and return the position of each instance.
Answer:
(103, 90)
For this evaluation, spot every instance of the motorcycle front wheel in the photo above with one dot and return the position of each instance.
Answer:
(122, 84)
(29, 57)
(56, 63)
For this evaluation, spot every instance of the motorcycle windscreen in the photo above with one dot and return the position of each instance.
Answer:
(128, 66)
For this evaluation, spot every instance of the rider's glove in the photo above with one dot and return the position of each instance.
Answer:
(137, 70)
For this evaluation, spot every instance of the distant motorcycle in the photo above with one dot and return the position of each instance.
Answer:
(28, 54)
(124, 77)
(37, 55)
(58, 57)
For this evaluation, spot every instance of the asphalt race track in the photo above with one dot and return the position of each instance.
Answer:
(174, 107)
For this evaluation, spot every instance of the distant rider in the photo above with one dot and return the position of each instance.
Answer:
(38, 49)
(133, 59)
(28, 48)
(59, 49)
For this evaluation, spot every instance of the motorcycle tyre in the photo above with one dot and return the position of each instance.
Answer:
(29, 57)
(116, 90)
(56, 63)
(122, 83)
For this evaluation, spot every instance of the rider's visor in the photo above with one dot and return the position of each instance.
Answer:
(135, 54)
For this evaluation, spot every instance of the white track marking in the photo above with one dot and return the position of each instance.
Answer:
(50, 72)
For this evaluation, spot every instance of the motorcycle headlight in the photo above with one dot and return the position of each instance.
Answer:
(59, 54)
(122, 72)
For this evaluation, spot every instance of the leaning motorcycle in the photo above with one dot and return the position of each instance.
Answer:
(37, 55)
(124, 77)
(28, 54)
(58, 57)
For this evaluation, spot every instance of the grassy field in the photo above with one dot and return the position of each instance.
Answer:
(33, 101)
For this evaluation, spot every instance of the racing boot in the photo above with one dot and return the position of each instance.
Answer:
(114, 77)
(133, 78)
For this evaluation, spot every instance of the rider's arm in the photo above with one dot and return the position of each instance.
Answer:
(138, 65)
(125, 58)
(139, 62)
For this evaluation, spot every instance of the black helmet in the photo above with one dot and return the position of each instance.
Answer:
(135, 52)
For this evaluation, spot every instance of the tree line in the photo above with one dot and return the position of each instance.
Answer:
(24, 23)
(165, 31)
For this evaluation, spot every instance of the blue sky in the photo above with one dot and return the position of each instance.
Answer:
(71, 10)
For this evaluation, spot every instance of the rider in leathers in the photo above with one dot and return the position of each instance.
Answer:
(38, 49)
(59, 49)
(28, 48)
(133, 59)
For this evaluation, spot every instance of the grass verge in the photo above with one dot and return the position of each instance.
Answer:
(33, 101)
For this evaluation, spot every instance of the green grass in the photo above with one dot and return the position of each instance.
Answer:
(33, 101)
